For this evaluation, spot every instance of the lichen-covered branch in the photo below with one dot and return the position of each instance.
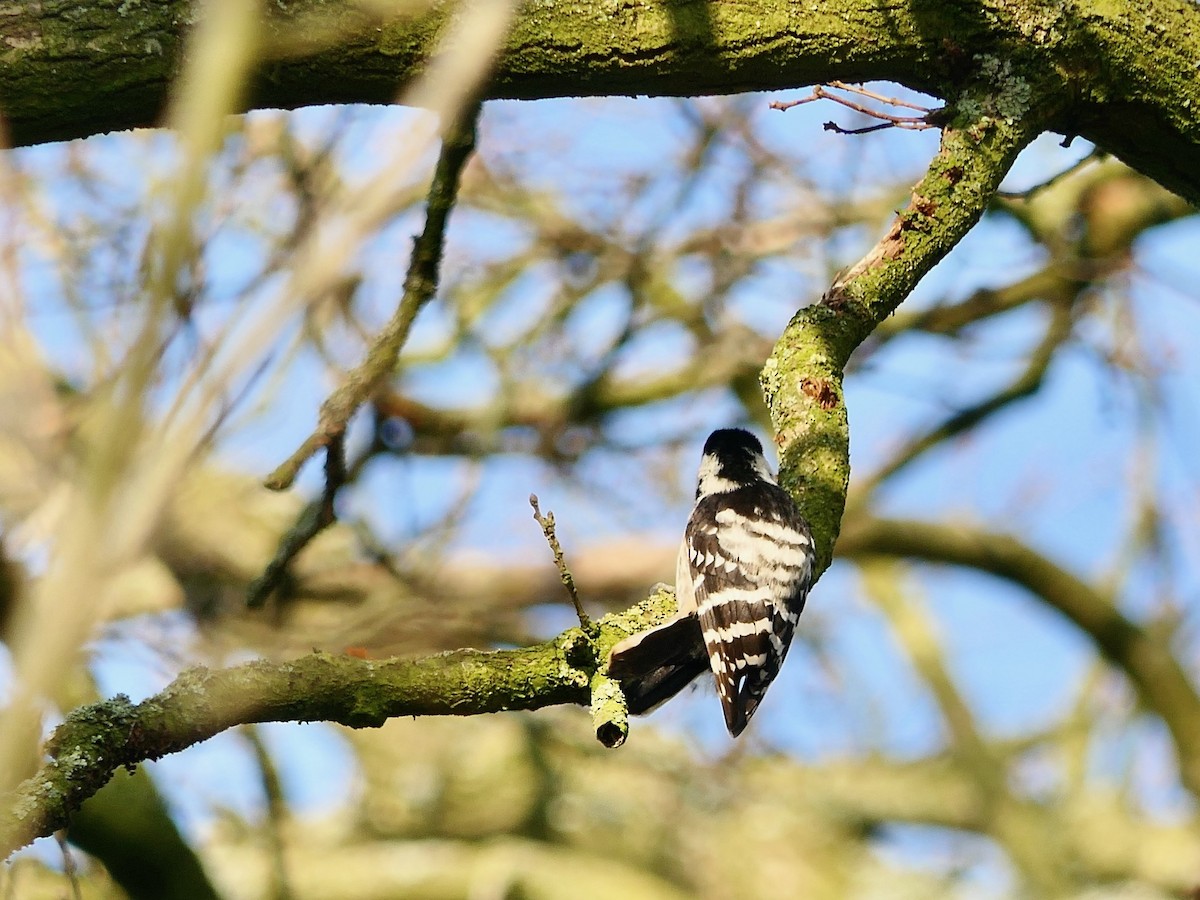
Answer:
(1125, 71)
(802, 379)
(98, 739)
(1152, 668)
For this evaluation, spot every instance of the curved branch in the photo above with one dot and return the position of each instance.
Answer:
(802, 379)
(1032, 840)
(1156, 674)
(98, 739)
(1054, 283)
(1098, 833)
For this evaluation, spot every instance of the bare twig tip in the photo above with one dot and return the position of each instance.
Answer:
(564, 574)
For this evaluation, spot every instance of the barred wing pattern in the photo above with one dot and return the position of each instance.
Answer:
(749, 568)
(743, 574)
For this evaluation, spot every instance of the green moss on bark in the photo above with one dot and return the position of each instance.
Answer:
(98, 739)
(802, 379)
(1124, 72)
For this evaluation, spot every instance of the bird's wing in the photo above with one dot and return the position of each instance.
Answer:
(750, 571)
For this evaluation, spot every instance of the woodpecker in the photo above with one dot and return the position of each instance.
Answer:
(743, 574)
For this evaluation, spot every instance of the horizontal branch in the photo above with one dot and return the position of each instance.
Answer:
(98, 739)
(1124, 71)
(1156, 674)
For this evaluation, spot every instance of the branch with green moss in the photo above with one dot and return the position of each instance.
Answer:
(1086, 218)
(97, 740)
(802, 379)
(1159, 679)
(1125, 71)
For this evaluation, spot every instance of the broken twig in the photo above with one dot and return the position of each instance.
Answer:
(547, 523)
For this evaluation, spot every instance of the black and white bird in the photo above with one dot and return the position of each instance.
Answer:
(743, 575)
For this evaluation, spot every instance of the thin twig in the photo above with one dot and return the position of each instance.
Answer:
(866, 129)
(313, 519)
(928, 119)
(69, 864)
(871, 95)
(1030, 193)
(547, 523)
(420, 285)
(277, 813)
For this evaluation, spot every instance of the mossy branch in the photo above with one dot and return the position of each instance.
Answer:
(1125, 71)
(97, 740)
(802, 379)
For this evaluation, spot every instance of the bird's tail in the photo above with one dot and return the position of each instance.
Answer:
(655, 665)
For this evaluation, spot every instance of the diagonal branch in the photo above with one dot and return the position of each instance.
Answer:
(1026, 384)
(313, 519)
(802, 379)
(420, 285)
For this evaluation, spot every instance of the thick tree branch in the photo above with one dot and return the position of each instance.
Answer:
(98, 739)
(1157, 676)
(1125, 71)
(802, 380)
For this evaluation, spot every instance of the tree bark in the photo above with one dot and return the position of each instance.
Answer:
(96, 740)
(1123, 75)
